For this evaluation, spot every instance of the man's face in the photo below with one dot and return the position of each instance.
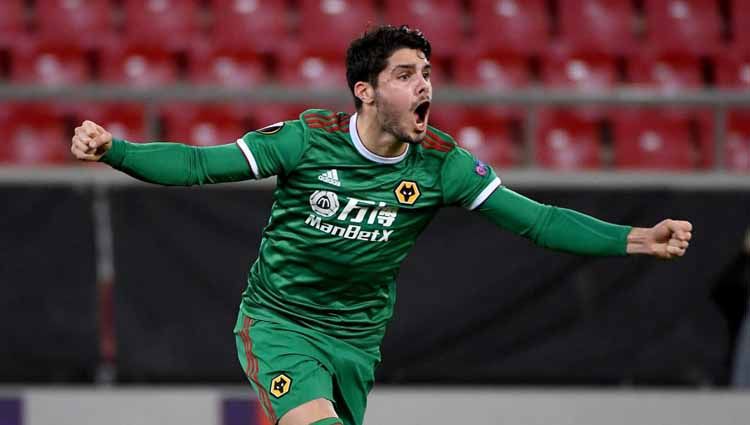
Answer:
(403, 95)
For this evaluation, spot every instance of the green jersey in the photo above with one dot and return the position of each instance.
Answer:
(344, 219)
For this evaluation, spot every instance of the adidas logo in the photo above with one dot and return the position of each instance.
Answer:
(330, 177)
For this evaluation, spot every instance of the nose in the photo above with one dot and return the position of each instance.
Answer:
(423, 85)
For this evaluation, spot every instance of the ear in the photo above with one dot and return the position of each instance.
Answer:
(365, 92)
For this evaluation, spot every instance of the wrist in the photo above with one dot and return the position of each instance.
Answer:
(638, 241)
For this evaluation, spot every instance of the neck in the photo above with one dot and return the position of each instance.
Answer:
(375, 139)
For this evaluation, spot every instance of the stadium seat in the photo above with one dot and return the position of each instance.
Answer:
(225, 67)
(487, 135)
(138, 67)
(249, 25)
(563, 68)
(481, 69)
(81, 23)
(202, 125)
(567, 141)
(741, 25)
(124, 121)
(327, 26)
(12, 23)
(665, 72)
(269, 113)
(302, 68)
(683, 26)
(520, 26)
(34, 134)
(605, 26)
(439, 20)
(170, 24)
(50, 65)
(733, 70)
(737, 149)
(652, 140)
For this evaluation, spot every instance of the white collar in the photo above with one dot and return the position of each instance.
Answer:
(365, 152)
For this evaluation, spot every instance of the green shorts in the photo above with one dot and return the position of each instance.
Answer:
(288, 366)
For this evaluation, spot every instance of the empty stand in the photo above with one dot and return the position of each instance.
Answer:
(170, 24)
(483, 69)
(33, 134)
(741, 25)
(490, 137)
(226, 67)
(683, 26)
(33, 62)
(567, 141)
(138, 66)
(511, 25)
(12, 22)
(202, 125)
(439, 20)
(304, 68)
(80, 23)
(582, 70)
(737, 149)
(733, 70)
(605, 26)
(653, 140)
(249, 25)
(665, 72)
(328, 26)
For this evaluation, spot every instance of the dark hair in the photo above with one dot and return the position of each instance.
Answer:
(368, 55)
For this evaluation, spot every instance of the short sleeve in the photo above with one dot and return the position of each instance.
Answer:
(467, 181)
(275, 149)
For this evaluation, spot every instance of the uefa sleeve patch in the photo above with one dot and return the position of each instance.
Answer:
(271, 129)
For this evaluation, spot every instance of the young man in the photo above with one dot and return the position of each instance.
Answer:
(353, 193)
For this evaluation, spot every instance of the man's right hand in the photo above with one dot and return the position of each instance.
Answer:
(90, 141)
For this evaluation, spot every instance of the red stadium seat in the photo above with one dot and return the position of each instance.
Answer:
(667, 73)
(520, 26)
(77, 20)
(50, 65)
(563, 68)
(567, 141)
(598, 25)
(439, 20)
(229, 68)
(741, 25)
(327, 26)
(124, 121)
(653, 140)
(202, 125)
(733, 71)
(138, 67)
(306, 69)
(170, 24)
(249, 25)
(267, 114)
(34, 135)
(683, 26)
(737, 149)
(12, 22)
(492, 72)
(488, 136)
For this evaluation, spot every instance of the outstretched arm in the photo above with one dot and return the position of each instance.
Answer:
(571, 231)
(171, 164)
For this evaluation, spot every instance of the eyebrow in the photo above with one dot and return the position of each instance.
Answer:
(410, 67)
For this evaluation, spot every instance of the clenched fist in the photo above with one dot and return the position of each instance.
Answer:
(90, 141)
(669, 239)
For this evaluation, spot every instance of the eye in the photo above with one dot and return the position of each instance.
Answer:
(403, 77)
(426, 76)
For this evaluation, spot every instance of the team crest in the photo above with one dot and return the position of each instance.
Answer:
(271, 129)
(281, 385)
(407, 192)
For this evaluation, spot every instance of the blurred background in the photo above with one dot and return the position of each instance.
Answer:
(118, 299)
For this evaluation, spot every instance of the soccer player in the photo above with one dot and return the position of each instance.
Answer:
(353, 193)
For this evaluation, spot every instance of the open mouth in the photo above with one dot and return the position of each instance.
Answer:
(421, 113)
